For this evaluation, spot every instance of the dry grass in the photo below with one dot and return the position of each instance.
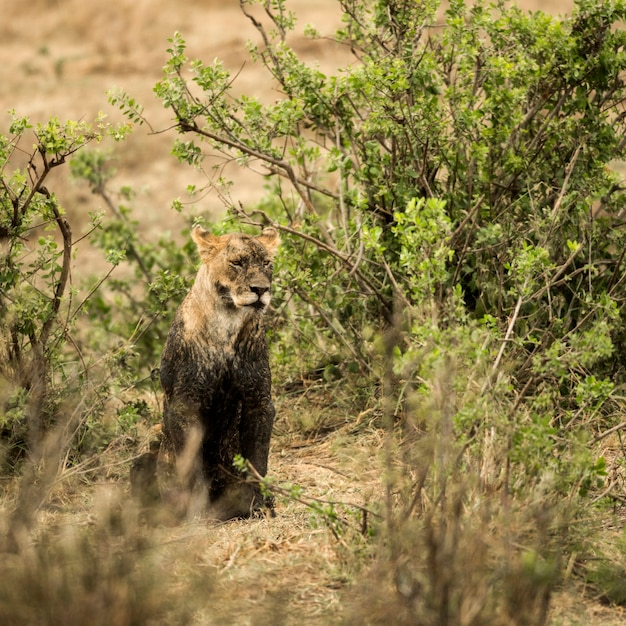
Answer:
(60, 58)
(89, 550)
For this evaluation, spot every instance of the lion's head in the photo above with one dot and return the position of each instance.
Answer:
(239, 267)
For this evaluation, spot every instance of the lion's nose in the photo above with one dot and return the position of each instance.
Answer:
(259, 290)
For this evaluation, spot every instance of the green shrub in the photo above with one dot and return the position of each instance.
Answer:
(41, 363)
(472, 176)
(504, 118)
(456, 190)
(135, 308)
(77, 346)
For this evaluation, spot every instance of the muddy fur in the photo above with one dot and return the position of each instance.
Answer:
(216, 380)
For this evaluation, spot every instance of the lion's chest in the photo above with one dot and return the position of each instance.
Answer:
(216, 380)
(210, 373)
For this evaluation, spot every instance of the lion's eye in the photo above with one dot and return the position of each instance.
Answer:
(236, 262)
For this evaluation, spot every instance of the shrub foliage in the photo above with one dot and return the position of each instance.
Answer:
(457, 188)
(463, 178)
(70, 339)
(467, 165)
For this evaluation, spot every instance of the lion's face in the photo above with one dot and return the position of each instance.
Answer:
(239, 266)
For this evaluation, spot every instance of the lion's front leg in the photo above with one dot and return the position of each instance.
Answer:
(179, 465)
(255, 435)
(256, 432)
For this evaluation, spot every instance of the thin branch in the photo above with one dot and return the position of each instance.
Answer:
(102, 192)
(360, 278)
(568, 174)
(59, 290)
(507, 338)
(470, 214)
(256, 477)
(610, 431)
(307, 183)
(285, 166)
(361, 250)
(88, 297)
(558, 274)
(339, 333)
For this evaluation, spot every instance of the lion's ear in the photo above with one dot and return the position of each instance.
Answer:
(270, 239)
(208, 243)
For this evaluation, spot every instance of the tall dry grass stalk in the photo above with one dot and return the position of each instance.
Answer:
(456, 549)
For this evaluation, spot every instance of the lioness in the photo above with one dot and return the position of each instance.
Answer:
(216, 378)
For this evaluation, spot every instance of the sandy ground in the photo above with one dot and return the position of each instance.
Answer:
(59, 58)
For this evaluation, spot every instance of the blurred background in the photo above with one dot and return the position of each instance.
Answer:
(58, 58)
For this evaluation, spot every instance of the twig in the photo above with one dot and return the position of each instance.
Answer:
(507, 338)
(338, 331)
(556, 276)
(608, 432)
(62, 281)
(284, 491)
(360, 278)
(606, 492)
(470, 214)
(568, 174)
(102, 192)
(509, 332)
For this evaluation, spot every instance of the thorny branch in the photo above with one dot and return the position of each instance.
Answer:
(351, 265)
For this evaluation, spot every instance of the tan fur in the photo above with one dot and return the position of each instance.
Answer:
(218, 254)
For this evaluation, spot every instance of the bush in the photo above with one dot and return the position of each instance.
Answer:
(455, 190)
(487, 146)
(467, 172)
(39, 307)
(79, 350)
